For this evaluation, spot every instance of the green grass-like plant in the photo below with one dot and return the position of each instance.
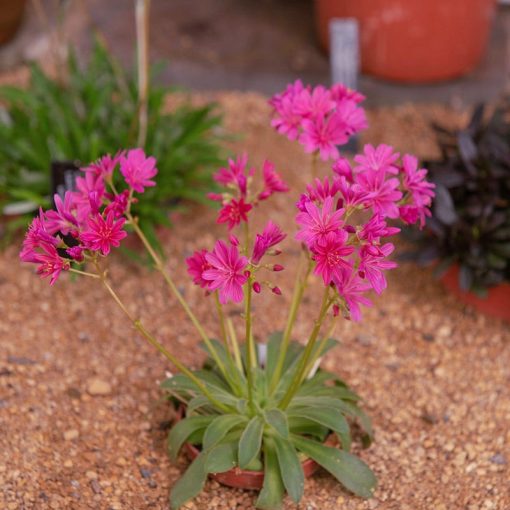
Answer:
(93, 113)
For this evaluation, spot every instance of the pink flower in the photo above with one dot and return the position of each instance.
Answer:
(320, 190)
(104, 166)
(103, 234)
(287, 120)
(380, 159)
(372, 265)
(315, 103)
(342, 168)
(36, 236)
(49, 261)
(235, 174)
(197, 264)
(329, 253)
(138, 170)
(63, 219)
(351, 288)
(323, 134)
(340, 92)
(352, 196)
(317, 223)
(415, 181)
(410, 214)
(376, 228)
(76, 253)
(227, 272)
(380, 194)
(352, 115)
(89, 194)
(270, 237)
(119, 204)
(234, 212)
(273, 183)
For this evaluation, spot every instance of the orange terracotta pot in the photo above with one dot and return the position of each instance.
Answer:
(414, 40)
(11, 14)
(497, 303)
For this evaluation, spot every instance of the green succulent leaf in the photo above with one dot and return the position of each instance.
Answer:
(221, 458)
(291, 469)
(190, 484)
(251, 441)
(277, 419)
(182, 430)
(330, 418)
(273, 490)
(220, 427)
(348, 469)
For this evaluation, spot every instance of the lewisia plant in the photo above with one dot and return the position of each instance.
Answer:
(262, 408)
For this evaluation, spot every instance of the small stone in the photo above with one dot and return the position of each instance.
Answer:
(427, 337)
(68, 463)
(145, 473)
(71, 434)
(99, 387)
(20, 360)
(498, 459)
(444, 331)
(95, 486)
(429, 418)
(91, 475)
(121, 461)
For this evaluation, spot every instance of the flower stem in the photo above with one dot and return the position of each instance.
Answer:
(305, 358)
(150, 338)
(158, 264)
(83, 273)
(235, 345)
(297, 297)
(250, 348)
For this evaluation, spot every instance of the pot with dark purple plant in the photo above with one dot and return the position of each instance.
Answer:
(272, 412)
(468, 235)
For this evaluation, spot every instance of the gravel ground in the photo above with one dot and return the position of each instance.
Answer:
(83, 424)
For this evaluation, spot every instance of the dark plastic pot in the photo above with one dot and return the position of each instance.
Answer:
(497, 303)
(11, 14)
(414, 40)
(242, 478)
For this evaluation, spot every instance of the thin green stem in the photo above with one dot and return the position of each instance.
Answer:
(235, 345)
(305, 358)
(158, 264)
(250, 348)
(297, 297)
(150, 338)
(320, 348)
(83, 273)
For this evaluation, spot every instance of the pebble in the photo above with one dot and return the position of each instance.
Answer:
(91, 475)
(71, 434)
(98, 387)
(498, 459)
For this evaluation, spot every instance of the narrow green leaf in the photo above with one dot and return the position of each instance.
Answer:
(190, 484)
(183, 429)
(348, 469)
(290, 468)
(221, 458)
(220, 427)
(331, 418)
(250, 442)
(271, 495)
(278, 420)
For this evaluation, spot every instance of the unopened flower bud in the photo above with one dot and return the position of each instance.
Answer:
(350, 229)
(336, 310)
(361, 274)
(278, 267)
(277, 291)
(256, 287)
(247, 274)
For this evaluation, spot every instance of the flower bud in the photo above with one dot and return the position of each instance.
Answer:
(277, 291)
(336, 310)
(278, 267)
(256, 287)
(247, 274)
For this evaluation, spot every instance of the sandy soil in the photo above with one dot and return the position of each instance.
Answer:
(83, 425)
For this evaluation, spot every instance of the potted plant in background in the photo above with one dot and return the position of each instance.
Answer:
(468, 235)
(406, 40)
(262, 418)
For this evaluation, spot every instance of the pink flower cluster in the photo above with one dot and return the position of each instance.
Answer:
(352, 256)
(238, 199)
(89, 221)
(225, 269)
(320, 119)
